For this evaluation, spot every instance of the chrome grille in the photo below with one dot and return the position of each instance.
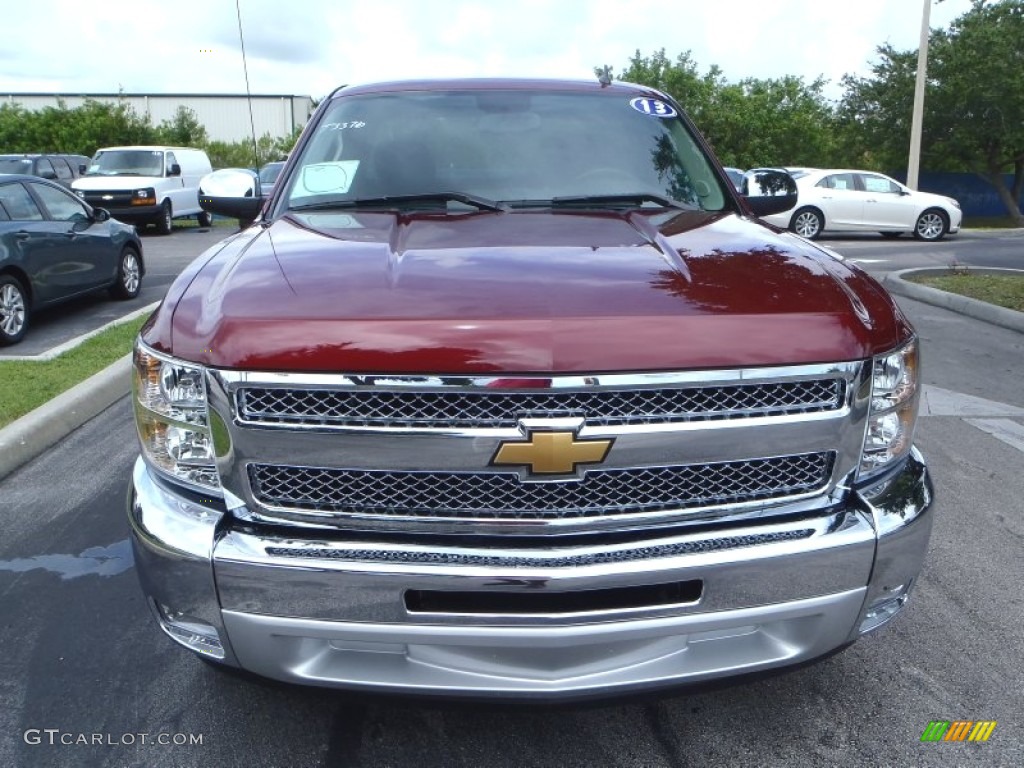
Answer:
(490, 496)
(482, 408)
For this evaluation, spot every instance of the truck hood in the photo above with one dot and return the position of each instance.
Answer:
(529, 292)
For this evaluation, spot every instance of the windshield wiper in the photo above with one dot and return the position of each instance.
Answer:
(635, 199)
(393, 201)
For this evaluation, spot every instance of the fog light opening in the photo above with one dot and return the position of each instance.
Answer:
(885, 606)
(191, 633)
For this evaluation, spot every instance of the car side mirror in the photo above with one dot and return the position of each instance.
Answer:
(175, 170)
(232, 192)
(51, 175)
(768, 192)
(100, 214)
(81, 169)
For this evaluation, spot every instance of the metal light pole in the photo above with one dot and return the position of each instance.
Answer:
(914, 164)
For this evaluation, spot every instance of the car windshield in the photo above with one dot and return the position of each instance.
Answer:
(515, 147)
(15, 165)
(127, 162)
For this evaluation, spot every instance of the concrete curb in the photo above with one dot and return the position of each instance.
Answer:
(897, 283)
(24, 439)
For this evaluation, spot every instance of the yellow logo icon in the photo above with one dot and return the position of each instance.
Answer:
(552, 453)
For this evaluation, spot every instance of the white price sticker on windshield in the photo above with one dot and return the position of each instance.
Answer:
(325, 178)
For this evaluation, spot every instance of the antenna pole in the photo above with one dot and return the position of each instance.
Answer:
(248, 93)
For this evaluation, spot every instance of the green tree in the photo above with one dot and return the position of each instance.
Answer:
(754, 122)
(978, 108)
(183, 130)
(79, 131)
(974, 102)
(769, 122)
(239, 154)
(873, 117)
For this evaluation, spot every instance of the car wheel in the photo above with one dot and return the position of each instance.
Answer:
(165, 221)
(129, 275)
(13, 310)
(205, 219)
(807, 222)
(931, 225)
(890, 235)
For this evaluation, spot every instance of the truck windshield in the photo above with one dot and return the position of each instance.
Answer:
(519, 148)
(127, 162)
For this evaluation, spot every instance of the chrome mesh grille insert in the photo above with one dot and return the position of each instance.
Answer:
(420, 557)
(484, 408)
(497, 496)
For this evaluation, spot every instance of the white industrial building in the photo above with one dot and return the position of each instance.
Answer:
(224, 115)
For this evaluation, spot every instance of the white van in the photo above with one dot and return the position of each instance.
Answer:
(146, 185)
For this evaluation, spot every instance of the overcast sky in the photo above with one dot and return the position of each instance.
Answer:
(308, 47)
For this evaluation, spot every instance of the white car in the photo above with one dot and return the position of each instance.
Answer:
(835, 200)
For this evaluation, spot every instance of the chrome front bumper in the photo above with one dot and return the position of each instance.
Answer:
(333, 612)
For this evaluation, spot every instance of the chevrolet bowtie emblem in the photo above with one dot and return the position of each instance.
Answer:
(552, 453)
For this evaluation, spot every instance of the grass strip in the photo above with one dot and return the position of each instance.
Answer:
(27, 384)
(1001, 290)
(988, 222)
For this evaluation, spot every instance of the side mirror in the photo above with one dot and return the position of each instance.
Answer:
(100, 214)
(81, 169)
(175, 170)
(768, 192)
(232, 192)
(51, 175)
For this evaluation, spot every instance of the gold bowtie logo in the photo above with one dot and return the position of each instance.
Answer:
(552, 453)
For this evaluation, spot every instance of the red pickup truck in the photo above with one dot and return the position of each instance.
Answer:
(508, 392)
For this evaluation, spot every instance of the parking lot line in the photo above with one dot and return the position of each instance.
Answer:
(1010, 432)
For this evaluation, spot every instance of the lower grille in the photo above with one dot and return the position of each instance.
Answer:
(502, 496)
(621, 555)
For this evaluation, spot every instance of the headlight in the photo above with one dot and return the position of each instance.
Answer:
(173, 419)
(895, 393)
(143, 197)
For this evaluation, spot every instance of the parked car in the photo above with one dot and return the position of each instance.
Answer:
(268, 177)
(79, 162)
(508, 394)
(147, 185)
(63, 169)
(836, 200)
(736, 177)
(54, 247)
